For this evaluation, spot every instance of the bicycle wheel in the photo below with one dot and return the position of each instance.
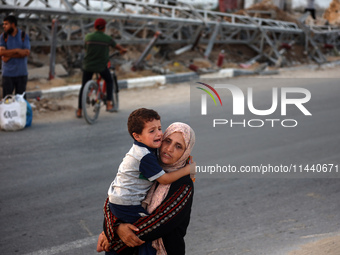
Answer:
(91, 101)
(115, 93)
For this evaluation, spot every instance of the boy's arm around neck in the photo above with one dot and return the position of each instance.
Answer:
(171, 177)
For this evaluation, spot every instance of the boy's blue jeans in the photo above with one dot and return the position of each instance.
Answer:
(130, 214)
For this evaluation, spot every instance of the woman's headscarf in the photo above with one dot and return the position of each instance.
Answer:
(189, 139)
(155, 195)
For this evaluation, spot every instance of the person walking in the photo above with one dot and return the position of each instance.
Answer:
(14, 49)
(310, 8)
(97, 46)
(169, 206)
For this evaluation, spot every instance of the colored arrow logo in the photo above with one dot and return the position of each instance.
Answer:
(209, 93)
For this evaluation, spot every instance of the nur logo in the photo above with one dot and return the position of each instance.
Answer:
(239, 99)
(204, 97)
(280, 98)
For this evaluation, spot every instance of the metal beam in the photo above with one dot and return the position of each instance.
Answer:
(134, 22)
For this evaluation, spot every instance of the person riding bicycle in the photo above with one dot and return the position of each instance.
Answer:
(95, 61)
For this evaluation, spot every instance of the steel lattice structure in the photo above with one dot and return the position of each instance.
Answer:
(136, 23)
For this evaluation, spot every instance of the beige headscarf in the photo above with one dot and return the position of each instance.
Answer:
(156, 196)
(189, 139)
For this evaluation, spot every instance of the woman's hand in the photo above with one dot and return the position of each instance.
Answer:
(126, 233)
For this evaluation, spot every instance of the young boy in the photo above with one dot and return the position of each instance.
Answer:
(139, 169)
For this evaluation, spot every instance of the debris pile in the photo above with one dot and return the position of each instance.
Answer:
(45, 105)
(165, 59)
(332, 13)
(267, 10)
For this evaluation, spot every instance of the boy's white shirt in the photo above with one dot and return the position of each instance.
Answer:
(128, 188)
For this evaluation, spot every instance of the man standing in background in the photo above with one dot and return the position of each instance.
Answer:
(14, 50)
(310, 8)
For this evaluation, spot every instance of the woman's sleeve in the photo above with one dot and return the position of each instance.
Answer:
(169, 215)
(111, 223)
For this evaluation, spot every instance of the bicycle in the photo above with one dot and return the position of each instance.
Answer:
(94, 95)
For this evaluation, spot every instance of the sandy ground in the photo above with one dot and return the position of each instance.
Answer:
(325, 246)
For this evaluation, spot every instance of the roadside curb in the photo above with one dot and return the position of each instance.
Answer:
(149, 81)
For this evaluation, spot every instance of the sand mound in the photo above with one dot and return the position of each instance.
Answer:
(332, 13)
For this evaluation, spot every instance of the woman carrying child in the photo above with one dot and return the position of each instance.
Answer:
(169, 205)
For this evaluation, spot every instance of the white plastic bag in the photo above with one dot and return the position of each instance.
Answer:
(13, 113)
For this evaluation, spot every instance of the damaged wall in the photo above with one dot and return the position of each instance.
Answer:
(295, 4)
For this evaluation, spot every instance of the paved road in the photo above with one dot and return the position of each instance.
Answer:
(54, 179)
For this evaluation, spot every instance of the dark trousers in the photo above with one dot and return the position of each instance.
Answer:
(311, 11)
(10, 84)
(106, 75)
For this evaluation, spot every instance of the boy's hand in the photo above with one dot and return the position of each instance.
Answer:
(5, 59)
(101, 242)
(193, 171)
(192, 168)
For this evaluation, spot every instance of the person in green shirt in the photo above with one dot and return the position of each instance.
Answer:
(97, 46)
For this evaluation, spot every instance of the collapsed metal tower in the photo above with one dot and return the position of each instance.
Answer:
(132, 22)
